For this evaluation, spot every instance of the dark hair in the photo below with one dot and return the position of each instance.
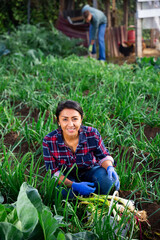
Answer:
(86, 14)
(68, 104)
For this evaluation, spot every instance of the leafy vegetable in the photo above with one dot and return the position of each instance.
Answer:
(33, 219)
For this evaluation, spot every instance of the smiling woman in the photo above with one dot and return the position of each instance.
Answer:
(70, 121)
(72, 143)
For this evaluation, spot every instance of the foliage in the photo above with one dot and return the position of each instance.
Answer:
(149, 62)
(38, 41)
(119, 14)
(14, 13)
(29, 218)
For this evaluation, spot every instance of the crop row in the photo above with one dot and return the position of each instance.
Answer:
(122, 102)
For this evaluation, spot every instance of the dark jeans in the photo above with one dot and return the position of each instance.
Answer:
(97, 174)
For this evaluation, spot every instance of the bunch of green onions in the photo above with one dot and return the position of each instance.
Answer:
(103, 205)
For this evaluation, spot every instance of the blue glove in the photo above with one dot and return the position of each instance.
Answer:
(113, 175)
(83, 188)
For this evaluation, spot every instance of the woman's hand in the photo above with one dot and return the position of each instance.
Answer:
(113, 175)
(83, 188)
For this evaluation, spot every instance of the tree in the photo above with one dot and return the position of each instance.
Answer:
(113, 19)
(107, 12)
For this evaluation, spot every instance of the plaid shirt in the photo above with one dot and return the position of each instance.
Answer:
(90, 150)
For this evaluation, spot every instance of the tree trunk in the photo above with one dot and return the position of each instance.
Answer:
(113, 4)
(107, 12)
(113, 13)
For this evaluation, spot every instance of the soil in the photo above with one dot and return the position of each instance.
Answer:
(147, 52)
(150, 230)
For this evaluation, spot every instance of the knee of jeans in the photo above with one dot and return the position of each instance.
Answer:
(100, 173)
(105, 187)
(102, 183)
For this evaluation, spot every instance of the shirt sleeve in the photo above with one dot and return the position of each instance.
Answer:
(107, 158)
(49, 160)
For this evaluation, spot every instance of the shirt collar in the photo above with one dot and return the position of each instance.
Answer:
(60, 138)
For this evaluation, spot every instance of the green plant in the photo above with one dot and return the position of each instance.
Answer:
(39, 41)
(122, 102)
(28, 218)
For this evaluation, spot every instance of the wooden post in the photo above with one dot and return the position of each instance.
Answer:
(145, 14)
(107, 34)
(138, 32)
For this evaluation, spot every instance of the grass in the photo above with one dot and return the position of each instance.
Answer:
(120, 101)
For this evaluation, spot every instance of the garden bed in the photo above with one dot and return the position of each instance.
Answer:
(152, 208)
(120, 100)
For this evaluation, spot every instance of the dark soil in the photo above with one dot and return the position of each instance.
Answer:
(150, 230)
(152, 208)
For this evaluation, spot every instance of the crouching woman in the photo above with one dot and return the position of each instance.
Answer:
(75, 144)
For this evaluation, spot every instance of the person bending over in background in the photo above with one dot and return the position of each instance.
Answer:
(72, 143)
(98, 22)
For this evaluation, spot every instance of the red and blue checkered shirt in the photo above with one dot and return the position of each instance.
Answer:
(90, 150)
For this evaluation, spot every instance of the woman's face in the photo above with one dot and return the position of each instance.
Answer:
(70, 121)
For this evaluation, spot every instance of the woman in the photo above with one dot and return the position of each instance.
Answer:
(72, 143)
